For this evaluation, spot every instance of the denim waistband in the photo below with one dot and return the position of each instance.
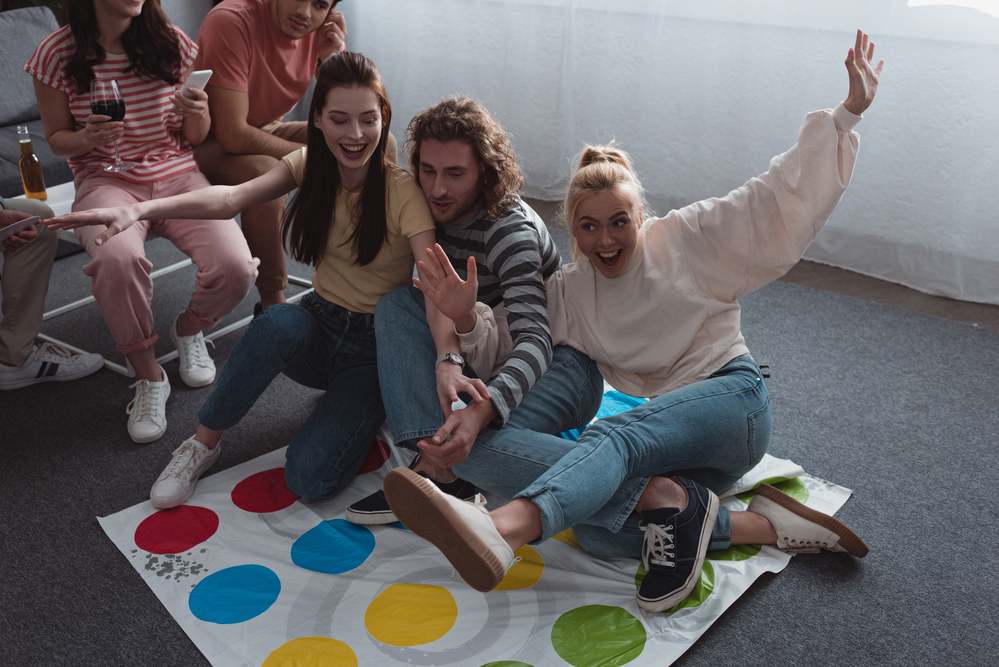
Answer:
(330, 309)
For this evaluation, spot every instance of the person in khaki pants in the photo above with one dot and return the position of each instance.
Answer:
(24, 277)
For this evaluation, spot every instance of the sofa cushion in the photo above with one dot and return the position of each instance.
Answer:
(21, 30)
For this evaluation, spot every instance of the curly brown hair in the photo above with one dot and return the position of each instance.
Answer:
(460, 118)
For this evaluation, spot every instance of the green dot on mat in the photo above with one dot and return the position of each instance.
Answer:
(793, 487)
(702, 589)
(736, 553)
(598, 635)
(507, 663)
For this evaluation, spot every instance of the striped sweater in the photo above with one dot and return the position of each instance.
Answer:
(153, 140)
(514, 254)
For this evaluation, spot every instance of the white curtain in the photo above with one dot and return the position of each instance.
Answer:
(704, 94)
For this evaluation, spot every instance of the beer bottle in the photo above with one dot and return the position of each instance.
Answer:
(31, 167)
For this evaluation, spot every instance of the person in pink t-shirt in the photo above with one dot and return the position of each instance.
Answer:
(263, 55)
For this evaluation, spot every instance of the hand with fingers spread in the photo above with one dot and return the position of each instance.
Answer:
(863, 76)
(116, 220)
(441, 284)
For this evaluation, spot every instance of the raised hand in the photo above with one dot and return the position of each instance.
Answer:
(116, 220)
(332, 34)
(454, 297)
(863, 76)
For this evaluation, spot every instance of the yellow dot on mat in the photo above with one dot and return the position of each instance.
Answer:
(568, 537)
(411, 614)
(312, 652)
(524, 574)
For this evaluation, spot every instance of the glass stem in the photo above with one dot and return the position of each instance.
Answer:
(117, 156)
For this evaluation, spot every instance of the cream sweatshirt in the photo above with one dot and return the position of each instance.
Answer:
(672, 318)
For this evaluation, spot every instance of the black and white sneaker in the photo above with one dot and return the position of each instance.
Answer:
(676, 541)
(375, 509)
(49, 363)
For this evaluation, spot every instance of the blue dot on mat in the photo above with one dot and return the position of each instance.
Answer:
(235, 594)
(333, 547)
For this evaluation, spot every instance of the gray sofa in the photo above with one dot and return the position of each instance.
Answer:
(21, 30)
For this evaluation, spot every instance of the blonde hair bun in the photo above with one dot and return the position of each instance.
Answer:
(606, 154)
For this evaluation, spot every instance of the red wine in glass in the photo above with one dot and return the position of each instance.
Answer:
(105, 99)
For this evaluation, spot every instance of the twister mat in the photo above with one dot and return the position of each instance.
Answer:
(255, 576)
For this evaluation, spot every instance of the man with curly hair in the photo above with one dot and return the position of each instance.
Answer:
(466, 166)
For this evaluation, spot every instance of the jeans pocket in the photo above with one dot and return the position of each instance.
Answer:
(760, 428)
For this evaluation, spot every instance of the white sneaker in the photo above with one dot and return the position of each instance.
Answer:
(147, 411)
(462, 530)
(49, 363)
(176, 483)
(802, 530)
(196, 368)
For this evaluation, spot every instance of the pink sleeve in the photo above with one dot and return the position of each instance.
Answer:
(46, 63)
(225, 49)
(188, 50)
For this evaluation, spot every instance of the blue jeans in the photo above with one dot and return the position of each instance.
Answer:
(320, 345)
(566, 397)
(713, 431)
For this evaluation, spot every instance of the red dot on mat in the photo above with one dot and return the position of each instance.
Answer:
(263, 492)
(177, 530)
(377, 456)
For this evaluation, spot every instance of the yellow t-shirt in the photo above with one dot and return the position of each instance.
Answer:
(337, 277)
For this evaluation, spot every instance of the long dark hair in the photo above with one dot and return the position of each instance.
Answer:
(149, 42)
(309, 216)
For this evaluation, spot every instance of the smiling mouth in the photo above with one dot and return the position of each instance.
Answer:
(610, 259)
(441, 205)
(353, 151)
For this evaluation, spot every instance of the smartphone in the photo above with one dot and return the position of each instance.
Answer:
(196, 80)
(15, 227)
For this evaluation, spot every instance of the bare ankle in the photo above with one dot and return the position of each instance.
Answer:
(434, 471)
(661, 492)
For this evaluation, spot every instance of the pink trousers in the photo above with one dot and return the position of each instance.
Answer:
(120, 271)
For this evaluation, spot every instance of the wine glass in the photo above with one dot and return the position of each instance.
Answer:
(106, 101)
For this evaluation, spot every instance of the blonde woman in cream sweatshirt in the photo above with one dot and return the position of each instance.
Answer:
(654, 303)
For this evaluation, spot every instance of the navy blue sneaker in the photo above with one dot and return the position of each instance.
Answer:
(675, 543)
(375, 509)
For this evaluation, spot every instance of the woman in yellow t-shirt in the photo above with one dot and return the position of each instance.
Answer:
(359, 220)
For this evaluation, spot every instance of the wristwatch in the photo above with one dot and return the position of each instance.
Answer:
(452, 357)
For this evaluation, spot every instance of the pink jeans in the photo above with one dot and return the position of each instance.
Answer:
(120, 271)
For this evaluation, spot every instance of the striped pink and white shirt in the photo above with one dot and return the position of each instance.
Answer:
(153, 138)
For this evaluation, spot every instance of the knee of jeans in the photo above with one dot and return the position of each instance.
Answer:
(397, 302)
(281, 323)
(302, 480)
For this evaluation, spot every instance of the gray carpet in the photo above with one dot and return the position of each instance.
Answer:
(900, 407)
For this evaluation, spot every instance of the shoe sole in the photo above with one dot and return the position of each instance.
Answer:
(370, 518)
(677, 596)
(421, 508)
(847, 538)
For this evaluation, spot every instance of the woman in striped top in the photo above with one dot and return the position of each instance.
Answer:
(132, 42)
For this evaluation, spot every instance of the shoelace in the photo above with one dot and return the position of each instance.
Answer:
(197, 354)
(478, 501)
(659, 546)
(54, 350)
(146, 401)
(184, 458)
